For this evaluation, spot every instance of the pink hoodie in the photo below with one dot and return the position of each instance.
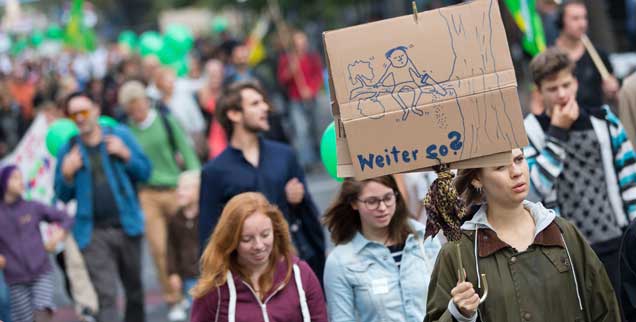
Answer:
(284, 303)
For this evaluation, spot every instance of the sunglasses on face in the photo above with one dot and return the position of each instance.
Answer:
(76, 115)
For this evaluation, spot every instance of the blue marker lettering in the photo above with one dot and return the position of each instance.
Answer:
(364, 162)
(379, 161)
(405, 156)
(395, 153)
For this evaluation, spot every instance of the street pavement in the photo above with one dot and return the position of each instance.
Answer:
(323, 189)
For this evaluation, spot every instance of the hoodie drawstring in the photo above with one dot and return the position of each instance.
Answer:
(231, 314)
(304, 307)
(567, 251)
(576, 283)
(477, 260)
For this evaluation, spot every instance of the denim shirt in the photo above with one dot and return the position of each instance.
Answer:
(363, 283)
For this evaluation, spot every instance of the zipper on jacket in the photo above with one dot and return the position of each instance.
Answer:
(263, 305)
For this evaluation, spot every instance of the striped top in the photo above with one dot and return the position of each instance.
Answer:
(396, 253)
(546, 157)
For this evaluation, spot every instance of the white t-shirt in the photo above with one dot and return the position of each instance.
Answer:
(183, 106)
(417, 184)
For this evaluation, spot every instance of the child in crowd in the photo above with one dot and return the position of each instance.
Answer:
(183, 242)
(28, 270)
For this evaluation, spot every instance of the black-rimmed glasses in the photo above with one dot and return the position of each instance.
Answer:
(373, 203)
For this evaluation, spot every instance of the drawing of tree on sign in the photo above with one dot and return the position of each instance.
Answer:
(368, 103)
(401, 79)
(488, 122)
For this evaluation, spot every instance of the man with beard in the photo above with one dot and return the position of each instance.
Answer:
(252, 163)
(100, 168)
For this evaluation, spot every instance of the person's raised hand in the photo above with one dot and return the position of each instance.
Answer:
(117, 147)
(294, 191)
(610, 87)
(71, 163)
(564, 116)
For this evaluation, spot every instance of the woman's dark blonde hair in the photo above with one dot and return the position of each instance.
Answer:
(467, 192)
(343, 221)
(220, 255)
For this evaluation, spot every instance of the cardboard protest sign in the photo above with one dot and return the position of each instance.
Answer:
(345, 165)
(408, 95)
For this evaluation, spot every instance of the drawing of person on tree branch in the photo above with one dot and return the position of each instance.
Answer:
(402, 80)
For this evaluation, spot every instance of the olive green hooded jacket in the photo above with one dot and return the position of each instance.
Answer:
(558, 278)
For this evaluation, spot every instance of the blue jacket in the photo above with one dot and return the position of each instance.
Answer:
(121, 178)
(363, 283)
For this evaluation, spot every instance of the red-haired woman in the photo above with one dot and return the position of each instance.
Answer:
(249, 271)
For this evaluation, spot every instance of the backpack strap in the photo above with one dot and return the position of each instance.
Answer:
(163, 115)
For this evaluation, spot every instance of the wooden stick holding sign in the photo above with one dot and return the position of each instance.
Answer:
(596, 58)
(414, 11)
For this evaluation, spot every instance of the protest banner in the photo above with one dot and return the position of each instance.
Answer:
(35, 162)
(408, 95)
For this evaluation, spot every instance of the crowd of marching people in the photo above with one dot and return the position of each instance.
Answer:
(207, 171)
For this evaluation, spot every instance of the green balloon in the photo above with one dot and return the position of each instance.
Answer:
(168, 55)
(107, 121)
(150, 42)
(328, 151)
(180, 67)
(37, 37)
(18, 46)
(179, 39)
(128, 38)
(54, 32)
(219, 25)
(58, 134)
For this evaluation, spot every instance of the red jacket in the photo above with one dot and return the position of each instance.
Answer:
(282, 303)
(311, 68)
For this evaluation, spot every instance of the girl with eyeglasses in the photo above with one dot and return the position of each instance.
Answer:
(381, 265)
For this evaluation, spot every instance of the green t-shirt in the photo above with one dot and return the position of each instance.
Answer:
(155, 143)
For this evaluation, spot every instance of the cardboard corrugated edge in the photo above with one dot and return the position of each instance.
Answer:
(344, 167)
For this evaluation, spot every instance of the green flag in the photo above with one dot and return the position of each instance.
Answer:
(528, 20)
(77, 35)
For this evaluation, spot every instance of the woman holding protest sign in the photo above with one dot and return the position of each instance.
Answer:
(380, 268)
(538, 265)
(249, 271)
